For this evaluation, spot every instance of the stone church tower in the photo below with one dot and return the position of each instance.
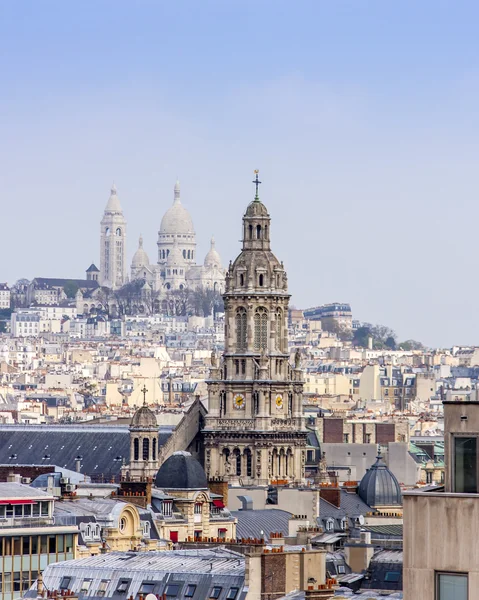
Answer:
(113, 244)
(143, 445)
(254, 430)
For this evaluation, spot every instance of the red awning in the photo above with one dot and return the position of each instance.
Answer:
(218, 503)
(222, 530)
(17, 502)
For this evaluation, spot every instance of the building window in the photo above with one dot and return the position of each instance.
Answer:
(233, 592)
(346, 438)
(215, 592)
(85, 586)
(102, 587)
(147, 587)
(198, 508)
(329, 525)
(65, 583)
(136, 449)
(166, 508)
(153, 453)
(172, 590)
(465, 465)
(190, 590)
(238, 461)
(392, 576)
(241, 329)
(428, 476)
(451, 586)
(279, 329)
(123, 585)
(261, 329)
(146, 448)
(249, 463)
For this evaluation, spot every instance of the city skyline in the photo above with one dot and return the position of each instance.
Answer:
(362, 148)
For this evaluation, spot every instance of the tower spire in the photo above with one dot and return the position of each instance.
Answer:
(256, 181)
(177, 191)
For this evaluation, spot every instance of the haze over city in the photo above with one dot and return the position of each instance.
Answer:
(362, 119)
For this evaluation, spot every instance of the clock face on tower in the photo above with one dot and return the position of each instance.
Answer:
(239, 401)
(279, 401)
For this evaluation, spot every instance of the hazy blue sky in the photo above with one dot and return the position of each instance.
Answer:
(362, 117)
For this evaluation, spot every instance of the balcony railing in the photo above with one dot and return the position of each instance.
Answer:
(26, 522)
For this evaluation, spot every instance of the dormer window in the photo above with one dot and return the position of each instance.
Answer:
(330, 525)
(166, 507)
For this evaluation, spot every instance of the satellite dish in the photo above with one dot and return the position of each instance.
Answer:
(360, 519)
(150, 597)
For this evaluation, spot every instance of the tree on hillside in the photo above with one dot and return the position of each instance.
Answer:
(361, 336)
(70, 288)
(411, 345)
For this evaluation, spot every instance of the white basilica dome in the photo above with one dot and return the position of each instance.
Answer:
(213, 259)
(140, 258)
(177, 219)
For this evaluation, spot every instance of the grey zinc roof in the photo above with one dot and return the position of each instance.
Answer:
(102, 448)
(203, 568)
(252, 522)
(11, 490)
(181, 471)
(351, 506)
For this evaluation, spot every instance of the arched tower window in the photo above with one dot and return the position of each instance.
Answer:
(251, 232)
(153, 452)
(241, 278)
(237, 456)
(107, 231)
(258, 232)
(261, 328)
(249, 463)
(118, 232)
(279, 329)
(184, 253)
(189, 253)
(266, 232)
(241, 329)
(146, 448)
(261, 280)
(136, 449)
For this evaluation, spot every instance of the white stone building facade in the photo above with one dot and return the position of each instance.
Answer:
(176, 267)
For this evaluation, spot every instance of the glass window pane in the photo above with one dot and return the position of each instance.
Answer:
(452, 587)
(465, 465)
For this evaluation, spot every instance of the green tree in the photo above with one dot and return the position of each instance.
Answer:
(361, 336)
(411, 345)
(70, 288)
(390, 343)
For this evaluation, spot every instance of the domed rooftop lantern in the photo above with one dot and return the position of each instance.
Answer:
(379, 487)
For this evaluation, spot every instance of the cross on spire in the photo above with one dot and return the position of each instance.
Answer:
(143, 391)
(256, 181)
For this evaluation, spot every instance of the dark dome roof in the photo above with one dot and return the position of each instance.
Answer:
(379, 487)
(144, 417)
(182, 472)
